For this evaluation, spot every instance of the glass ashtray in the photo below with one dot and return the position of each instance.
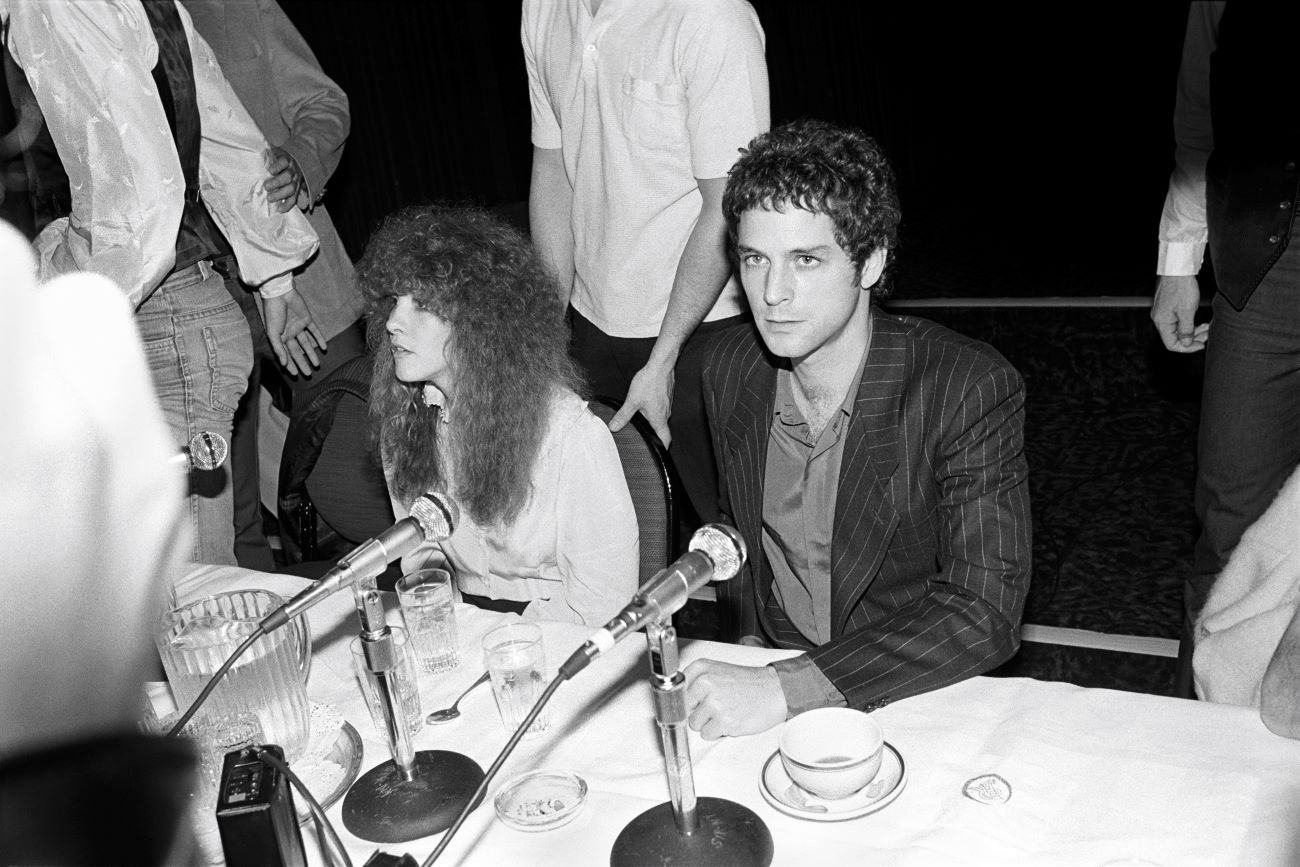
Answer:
(541, 800)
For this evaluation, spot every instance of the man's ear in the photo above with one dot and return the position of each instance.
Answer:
(873, 267)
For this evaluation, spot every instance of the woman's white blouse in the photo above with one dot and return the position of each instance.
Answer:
(573, 552)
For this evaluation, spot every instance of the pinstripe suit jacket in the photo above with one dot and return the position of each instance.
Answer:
(930, 544)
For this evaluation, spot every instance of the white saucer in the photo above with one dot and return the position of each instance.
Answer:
(781, 792)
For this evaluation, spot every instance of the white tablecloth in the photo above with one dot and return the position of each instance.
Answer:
(1096, 775)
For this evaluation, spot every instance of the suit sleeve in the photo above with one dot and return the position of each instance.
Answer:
(968, 620)
(314, 108)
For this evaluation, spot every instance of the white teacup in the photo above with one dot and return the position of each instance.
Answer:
(832, 751)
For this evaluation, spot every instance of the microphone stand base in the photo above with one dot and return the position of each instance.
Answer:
(383, 807)
(729, 833)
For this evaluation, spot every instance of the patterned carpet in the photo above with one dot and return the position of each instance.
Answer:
(1110, 436)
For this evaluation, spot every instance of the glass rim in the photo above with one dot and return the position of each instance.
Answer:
(534, 630)
(276, 598)
(418, 573)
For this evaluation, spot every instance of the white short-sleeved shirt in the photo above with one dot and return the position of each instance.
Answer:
(643, 98)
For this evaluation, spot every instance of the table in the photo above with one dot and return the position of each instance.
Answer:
(1096, 775)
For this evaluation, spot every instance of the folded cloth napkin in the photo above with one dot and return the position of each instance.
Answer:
(1253, 600)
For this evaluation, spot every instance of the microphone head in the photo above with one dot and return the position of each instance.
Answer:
(724, 546)
(436, 514)
(208, 450)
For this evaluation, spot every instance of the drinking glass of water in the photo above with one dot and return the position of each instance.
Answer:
(430, 618)
(516, 662)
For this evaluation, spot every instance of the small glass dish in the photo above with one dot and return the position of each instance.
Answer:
(541, 800)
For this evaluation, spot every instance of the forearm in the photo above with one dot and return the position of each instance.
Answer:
(1182, 232)
(943, 638)
(702, 273)
(550, 222)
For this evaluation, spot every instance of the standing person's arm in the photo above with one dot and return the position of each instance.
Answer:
(550, 203)
(725, 77)
(550, 192)
(314, 108)
(1183, 228)
(126, 230)
(701, 273)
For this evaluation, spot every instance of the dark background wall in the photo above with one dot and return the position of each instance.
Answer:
(1032, 141)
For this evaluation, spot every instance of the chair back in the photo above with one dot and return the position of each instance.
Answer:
(649, 480)
(332, 494)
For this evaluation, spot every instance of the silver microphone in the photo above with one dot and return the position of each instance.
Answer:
(716, 553)
(207, 450)
(433, 518)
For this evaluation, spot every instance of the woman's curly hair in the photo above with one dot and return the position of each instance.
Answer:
(824, 169)
(508, 351)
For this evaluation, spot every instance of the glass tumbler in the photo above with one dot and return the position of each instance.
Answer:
(516, 662)
(430, 617)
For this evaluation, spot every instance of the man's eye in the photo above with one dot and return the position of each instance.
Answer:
(752, 260)
(808, 261)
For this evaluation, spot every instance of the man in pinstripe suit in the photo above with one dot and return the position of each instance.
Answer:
(874, 462)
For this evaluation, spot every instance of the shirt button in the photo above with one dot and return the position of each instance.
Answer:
(1273, 239)
(591, 49)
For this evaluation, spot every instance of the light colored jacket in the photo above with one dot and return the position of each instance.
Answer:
(299, 108)
(89, 64)
(1253, 600)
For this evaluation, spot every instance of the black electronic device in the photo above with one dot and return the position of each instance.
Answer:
(255, 812)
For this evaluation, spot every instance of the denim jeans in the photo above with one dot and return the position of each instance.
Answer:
(199, 353)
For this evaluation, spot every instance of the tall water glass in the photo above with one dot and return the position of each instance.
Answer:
(269, 679)
(430, 618)
(516, 661)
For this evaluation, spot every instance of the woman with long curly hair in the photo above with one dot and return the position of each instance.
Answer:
(474, 395)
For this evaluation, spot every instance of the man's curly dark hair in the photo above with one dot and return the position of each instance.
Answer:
(824, 169)
(508, 351)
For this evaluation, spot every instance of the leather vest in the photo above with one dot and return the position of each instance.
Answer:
(1252, 184)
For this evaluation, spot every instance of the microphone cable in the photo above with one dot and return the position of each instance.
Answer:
(496, 766)
(323, 826)
(213, 681)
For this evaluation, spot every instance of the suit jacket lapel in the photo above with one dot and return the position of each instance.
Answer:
(865, 517)
(746, 437)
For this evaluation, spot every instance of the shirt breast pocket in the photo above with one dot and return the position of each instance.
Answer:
(654, 114)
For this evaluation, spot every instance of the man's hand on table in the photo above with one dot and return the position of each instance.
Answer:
(724, 699)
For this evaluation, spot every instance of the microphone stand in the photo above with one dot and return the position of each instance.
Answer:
(414, 794)
(687, 831)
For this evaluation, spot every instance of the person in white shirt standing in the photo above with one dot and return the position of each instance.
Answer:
(639, 109)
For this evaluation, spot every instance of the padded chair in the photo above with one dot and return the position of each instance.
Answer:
(647, 468)
(332, 494)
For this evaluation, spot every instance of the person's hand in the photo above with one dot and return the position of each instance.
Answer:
(293, 333)
(1173, 310)
(285, 181)
(651, 392)
(725, 699)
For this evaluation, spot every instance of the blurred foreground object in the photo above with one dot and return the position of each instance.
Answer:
(91, 523)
